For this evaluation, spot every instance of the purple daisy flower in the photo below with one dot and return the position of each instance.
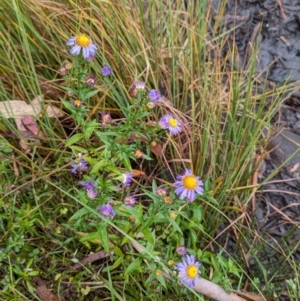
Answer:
(151, 104)
(107, 210)
(87, 185)
(181, 250)
(105, 118)
(84, 42)
(79, 167)
(106, 71)
(137, 86)
(188, 270)
(161, 191)
(90, 188)
(170, 123)
(90, 80)
(63, 70)
(154, 95)
(130, 200)
(188, 185)
(127, 178)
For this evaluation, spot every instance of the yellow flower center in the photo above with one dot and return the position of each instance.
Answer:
(172, 122)
(168, 200)
(138, 154)
(83, 40)
(189, 182)
(192, 271)
(131, 218)
(77, 103)
(158, 272)
(173, 215)
(106, 118)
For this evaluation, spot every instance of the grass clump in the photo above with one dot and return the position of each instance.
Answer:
(155, 151)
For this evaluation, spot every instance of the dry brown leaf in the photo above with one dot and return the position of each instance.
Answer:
(30, 124)
(294, 168)
(137, 173)
(24, 115)
(91, 258)
(43, 292)
(24, 146)
(156, 149)
(14, 108)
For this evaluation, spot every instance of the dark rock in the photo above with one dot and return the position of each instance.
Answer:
(283, 146)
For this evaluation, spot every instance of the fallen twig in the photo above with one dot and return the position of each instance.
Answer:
(281, 9)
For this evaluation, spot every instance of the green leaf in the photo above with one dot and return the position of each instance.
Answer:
(92, 237)
(126, 162)
(207, 185)
(33, 273)
(149, 236)
(162, 280)
(135, 265)
(174, 224)
(214, 263)
(106, 133)
(193, 237)
(147, 223)
(99, 165)
(80, 213)
(127, 227)
(75, 138)
(117, 263)
(136, 212)
(150, 279)
(90, 94)
(212, 199)
(89, 129)
(197, 210)
(78, 149)
(104, 237)
(118, 251)
(217, 278)
(68, 105)
(113, 169)
(125, 240)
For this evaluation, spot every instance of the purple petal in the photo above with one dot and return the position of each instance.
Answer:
(86, 52)
(179, 190)
(75, 50)
(71, 41)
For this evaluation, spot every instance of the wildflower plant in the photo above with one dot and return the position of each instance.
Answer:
(111, 170)
(173, 140)
(107, 175)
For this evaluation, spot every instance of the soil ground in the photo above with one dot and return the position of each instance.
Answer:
(274, 26)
